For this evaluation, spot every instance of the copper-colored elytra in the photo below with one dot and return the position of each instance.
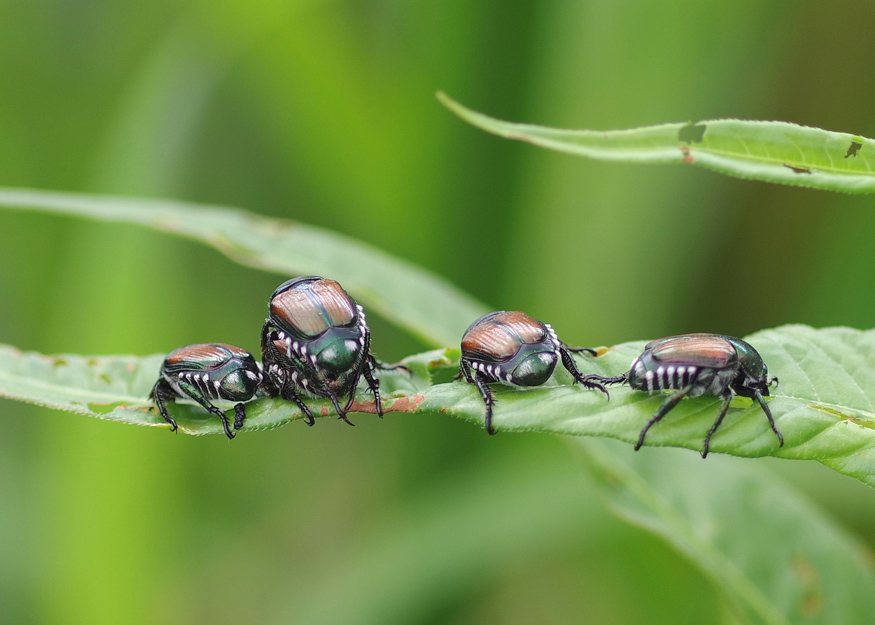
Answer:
(307, 306)
(701, 349)
(502, 333)
(204, 351)
(528, 329)
(335, 301)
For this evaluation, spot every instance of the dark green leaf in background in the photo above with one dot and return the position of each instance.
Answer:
(777, 558)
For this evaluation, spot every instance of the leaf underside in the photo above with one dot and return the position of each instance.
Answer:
(823, 405)
(771, 151)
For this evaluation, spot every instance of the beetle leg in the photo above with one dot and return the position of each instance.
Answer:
(160, 395)
(487, 395)
(373, 382)
(289, 394)
(464, 371)
(768, 412)
(586, 380)
(194, 393)
(267, 352)
(239, 415)
(666, 406)
(578, 350)
(382, 366)
(727, 398)
(274, 383)
(340, 411)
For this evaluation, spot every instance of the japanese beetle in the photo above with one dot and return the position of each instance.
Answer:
(701, 364)
(207, 371)
(514, 349)
(316, 341)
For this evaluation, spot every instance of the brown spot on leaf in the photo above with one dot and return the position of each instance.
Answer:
(400, 404)
(406, 404)
(798, 170)
(853, 149)
(688, 158)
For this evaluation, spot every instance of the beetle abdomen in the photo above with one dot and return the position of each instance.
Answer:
(209, 388)
(662, 377)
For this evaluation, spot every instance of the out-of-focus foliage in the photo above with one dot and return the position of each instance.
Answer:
(323, 112)
(401, 292)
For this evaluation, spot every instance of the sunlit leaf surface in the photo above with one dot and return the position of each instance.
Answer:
(761, 150)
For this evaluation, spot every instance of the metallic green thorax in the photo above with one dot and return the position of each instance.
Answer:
(532, 366)
(754, 369)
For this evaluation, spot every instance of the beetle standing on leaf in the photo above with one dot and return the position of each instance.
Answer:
(701, 364)
(316, 342)
(514, 349)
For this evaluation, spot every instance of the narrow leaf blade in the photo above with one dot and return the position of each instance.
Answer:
(771, 151)
(397, 289)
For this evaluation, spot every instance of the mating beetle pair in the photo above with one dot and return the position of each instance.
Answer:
(315, 342)
(513, 349)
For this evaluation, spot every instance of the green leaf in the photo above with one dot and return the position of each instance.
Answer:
(777, 558)
(823, 405)
(116, 388)
(771, 151)
(398, 290)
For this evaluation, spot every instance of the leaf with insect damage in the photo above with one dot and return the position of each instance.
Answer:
(824, 405)
(779, 152)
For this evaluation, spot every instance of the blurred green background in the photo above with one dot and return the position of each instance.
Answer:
(323, 111)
